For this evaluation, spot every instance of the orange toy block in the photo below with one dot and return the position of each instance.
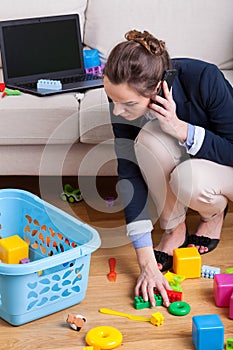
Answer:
(13, 249)
(187, 262)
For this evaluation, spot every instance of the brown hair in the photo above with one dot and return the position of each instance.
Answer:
(140, 62)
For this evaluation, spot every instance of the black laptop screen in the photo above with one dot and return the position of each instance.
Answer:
(41, 48)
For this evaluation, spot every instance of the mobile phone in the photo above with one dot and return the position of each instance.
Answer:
(168, 76)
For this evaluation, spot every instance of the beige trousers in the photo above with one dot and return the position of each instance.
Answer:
(176, 181)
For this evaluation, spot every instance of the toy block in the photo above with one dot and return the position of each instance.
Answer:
(47, 84)
(157, 319)
(229, 270)
(24, 261)
(170, 277)
(174, 295)
(231, 307)
(187, 262)
(229, 344)
(207, 332)
(223, 289)
(140, 304)
(91, 58)
(13, 249)
(209, 271)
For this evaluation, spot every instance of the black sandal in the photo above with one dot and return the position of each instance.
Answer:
(166, 260)
(203, 241)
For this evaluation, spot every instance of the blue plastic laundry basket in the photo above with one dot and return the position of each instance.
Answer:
(60, 248)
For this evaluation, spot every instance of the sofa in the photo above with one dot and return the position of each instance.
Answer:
(70, 134)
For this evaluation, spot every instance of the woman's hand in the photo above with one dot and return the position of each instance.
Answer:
(165, 112)
(150, 277)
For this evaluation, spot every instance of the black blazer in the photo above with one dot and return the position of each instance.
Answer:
(203, 97)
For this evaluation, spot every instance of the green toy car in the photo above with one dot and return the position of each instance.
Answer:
(71, 194)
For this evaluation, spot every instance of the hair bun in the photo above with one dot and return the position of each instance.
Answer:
(152, 44)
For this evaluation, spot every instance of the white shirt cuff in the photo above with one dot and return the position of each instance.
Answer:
(137, 227)
(199, 135)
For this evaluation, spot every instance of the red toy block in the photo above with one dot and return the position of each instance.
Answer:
(231, 307)
(223, 289)
(172, 295)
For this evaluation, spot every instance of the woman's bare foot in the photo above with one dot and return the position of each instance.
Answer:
(210, 229)
(172, 240)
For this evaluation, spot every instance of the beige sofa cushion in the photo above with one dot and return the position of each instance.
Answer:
(194, 28)
(28, 119)
(12, 9)
(94, 119)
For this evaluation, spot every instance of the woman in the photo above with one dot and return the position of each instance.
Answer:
(179, 148)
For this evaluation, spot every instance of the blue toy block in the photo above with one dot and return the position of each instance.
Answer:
(209, 271)
(207, 332)
(91, 58)
(47, 84)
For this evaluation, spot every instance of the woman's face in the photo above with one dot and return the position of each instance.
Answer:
(127, 102)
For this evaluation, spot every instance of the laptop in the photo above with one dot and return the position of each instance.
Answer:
(45, 48)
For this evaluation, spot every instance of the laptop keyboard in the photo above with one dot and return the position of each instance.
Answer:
(68, 80)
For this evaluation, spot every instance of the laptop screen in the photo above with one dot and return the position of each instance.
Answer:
(41, 46)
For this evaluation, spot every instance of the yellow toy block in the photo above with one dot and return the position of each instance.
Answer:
(157, 319)
(187, 262)
(13, 249)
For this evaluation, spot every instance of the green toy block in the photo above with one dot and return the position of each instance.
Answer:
(230, 270)
(140, 303)
(229, 344)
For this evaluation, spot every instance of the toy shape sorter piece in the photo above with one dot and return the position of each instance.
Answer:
(187, 262)
(71, 194)
(209, 271)
(13, 249)
(207, 332)
(223, 289)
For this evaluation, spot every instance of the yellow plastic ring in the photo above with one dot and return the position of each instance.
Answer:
(179, 308)
(104, 337)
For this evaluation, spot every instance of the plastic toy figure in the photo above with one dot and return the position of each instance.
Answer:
(76, 322)
(71, 194)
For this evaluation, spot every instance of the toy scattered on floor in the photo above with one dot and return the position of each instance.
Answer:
(174, 280)
(47, 84)
(207, 332)
(71, 194)
(229, 270)
(187, 262)
(179, 308)
(112, 275)
(76, 322)
(140, 304)
(13, 249)
(229, 344)
(109, 201)
(104, 337)
(209, 271)
(156, 319)
(223, 291)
